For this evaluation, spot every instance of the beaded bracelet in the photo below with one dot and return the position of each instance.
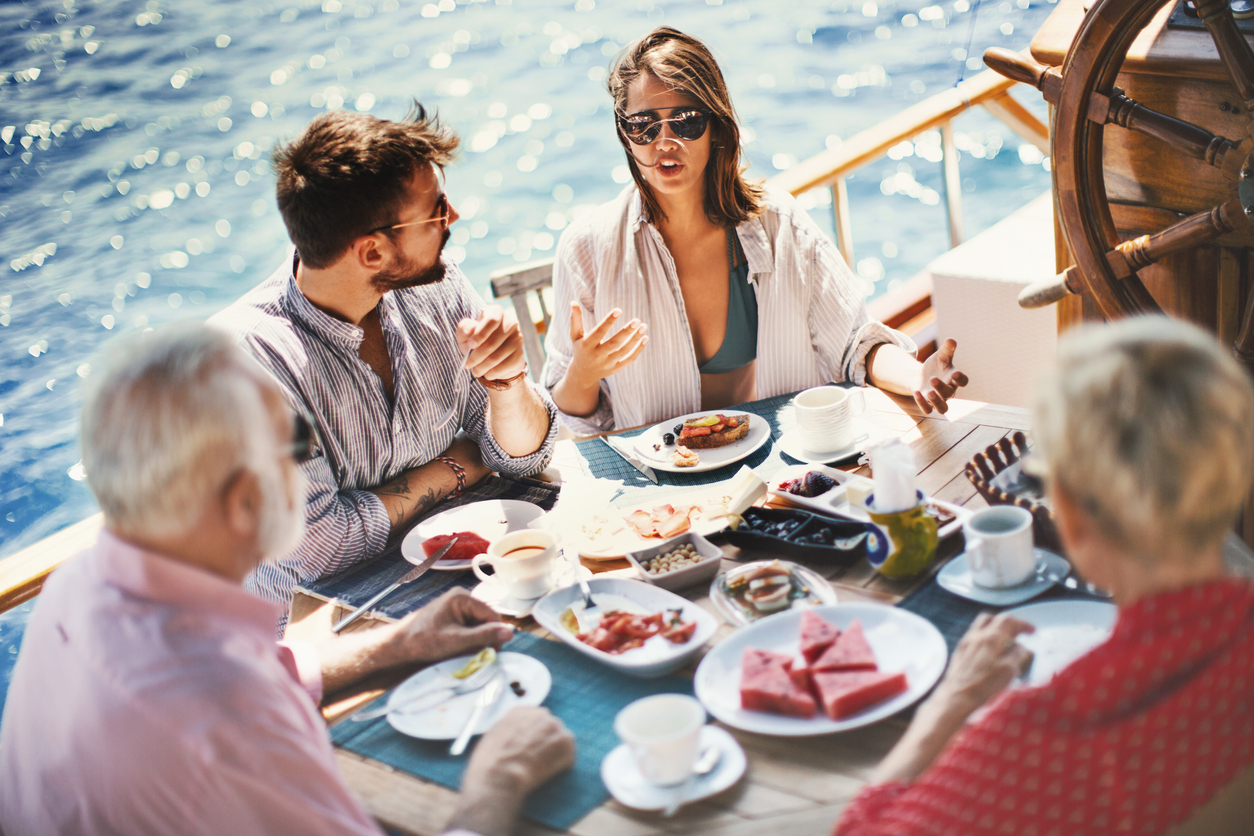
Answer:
(458, 471)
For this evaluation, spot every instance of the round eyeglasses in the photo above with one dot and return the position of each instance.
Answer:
(643, 128)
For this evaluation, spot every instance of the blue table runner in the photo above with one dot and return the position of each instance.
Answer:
(586, 696)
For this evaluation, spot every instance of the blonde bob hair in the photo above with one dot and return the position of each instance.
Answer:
(1148, 424)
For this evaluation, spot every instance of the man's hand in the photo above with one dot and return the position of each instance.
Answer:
(495, 344)
(597, 356)
(940, 380)
(985, 662)
(526, 747)
(453, 624)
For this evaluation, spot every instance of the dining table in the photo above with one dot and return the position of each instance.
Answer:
(795, 785)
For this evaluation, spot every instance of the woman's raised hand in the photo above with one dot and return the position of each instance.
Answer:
(597, 356)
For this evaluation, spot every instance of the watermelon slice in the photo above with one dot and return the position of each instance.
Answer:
(766, 686)
(817, 635)
(468, 545)
(800, 674)
(845, 693)
(850, 652)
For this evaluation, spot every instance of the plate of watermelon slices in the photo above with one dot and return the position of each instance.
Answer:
(479, 524)
(821, 670)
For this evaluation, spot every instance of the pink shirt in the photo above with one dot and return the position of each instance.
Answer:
(150, 697)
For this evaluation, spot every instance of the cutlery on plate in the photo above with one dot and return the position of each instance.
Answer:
(410, 576)
(709, 758)
(448, 690)
(487, 698)
(623, 448)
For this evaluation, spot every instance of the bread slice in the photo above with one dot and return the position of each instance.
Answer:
(719, 439)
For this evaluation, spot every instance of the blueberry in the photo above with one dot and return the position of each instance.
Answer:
(668, 439)
(677, 429)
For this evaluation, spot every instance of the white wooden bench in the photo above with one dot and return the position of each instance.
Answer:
(515, 283)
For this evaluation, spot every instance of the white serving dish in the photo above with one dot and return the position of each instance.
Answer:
(836, 502)
(658, 656)
(700, 572)
(902, 641)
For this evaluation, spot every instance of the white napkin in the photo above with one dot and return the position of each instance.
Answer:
(583, 507)
(893, 469)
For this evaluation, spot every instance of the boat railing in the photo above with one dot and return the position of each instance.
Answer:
(907, 307)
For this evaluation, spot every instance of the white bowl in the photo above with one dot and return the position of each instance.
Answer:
(658, 656)
(700, 572)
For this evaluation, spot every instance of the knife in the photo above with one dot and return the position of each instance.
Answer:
(487, 698)
(623, 448)
(410, 576)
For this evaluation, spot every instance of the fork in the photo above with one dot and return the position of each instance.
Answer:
(471, 683)
(457, 395)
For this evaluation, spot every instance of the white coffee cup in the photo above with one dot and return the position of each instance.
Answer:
(825, 417)
(999, 546)
(522, 561)
(662, 732)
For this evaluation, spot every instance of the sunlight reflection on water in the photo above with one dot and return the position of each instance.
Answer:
(135, 186)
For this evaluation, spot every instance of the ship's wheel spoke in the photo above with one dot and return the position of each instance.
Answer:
(1234, 51)
(1185, 137)
(1130, 256)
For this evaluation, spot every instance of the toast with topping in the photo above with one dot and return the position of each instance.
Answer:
(709, 431)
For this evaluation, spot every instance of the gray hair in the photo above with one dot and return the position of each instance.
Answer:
(169, 419)
(1149, 424)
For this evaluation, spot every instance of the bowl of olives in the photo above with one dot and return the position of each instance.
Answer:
(793, 533)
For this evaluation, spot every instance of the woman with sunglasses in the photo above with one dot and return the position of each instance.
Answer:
(696, 288)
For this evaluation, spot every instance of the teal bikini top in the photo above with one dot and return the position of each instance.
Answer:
(740, 340)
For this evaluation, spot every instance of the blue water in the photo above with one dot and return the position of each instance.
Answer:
(134, 188)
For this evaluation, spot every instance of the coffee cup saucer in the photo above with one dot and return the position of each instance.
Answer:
(622, 777)
(865, 434)
(496, 594)
(956, 577)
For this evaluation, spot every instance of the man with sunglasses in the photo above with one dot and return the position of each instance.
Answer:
(150, 696)
(383, 342)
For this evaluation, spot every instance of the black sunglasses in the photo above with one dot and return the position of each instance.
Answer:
(304, 443)
(643, 128)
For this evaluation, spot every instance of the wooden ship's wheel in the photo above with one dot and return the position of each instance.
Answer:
(1085, 100)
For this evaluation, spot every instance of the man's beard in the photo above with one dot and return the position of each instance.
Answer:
(407, 275)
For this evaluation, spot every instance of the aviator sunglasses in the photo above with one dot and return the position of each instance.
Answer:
(643, 128)
(441, 215)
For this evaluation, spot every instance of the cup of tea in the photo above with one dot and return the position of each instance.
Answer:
(662, 732)
(521, 560)
(825, 417)
(999, 546)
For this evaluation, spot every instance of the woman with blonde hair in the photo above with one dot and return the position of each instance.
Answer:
(1146, 433)
(740, 293)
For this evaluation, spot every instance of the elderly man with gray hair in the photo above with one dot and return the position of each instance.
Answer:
(150, 695)
(1146, 428)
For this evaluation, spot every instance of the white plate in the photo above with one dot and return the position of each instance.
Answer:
(496, 595)
(759, 434)
(445, 721)
(490, 519)
(1065, 631)
(902, 641)
(622, 777)
(658, 656)
(835, 501)
(956, 578)
(866, 433)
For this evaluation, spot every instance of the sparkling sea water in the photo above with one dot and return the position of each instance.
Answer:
(134, 138)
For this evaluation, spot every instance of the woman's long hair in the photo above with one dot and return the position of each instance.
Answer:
(687, 66)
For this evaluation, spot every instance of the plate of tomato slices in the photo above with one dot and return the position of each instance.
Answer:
(637, 628)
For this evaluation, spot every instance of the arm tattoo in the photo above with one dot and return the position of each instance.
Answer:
(399, 488)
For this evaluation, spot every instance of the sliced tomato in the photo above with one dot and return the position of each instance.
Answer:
(693, 432)
(731, 422)
(717, 428)
(681, 633)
